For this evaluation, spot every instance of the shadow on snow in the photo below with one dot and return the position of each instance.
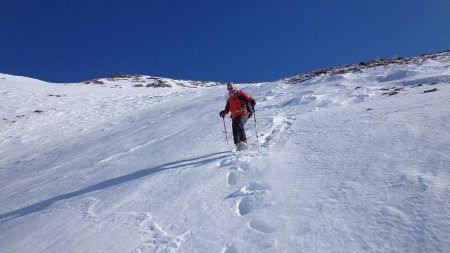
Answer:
(194, 161)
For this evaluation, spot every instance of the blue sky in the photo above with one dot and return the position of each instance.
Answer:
(238, 41)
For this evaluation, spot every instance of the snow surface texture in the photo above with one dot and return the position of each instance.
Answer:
(354, 162)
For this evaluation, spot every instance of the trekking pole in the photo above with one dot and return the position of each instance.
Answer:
(226, 134)
(256, 130)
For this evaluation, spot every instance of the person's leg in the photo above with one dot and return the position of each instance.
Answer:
(238, 129)
(235, 127)
(242, 120)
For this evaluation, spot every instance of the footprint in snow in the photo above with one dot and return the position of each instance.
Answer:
(225, 162)
(230, 248)
(155, 239)
(241, 162)
(253, 197)
(253, 188)
(232, 178)
(251, 203)
(260, 226)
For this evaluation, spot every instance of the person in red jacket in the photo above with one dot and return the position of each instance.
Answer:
(240, 105)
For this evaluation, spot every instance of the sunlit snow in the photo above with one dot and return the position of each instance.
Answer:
(352, 162)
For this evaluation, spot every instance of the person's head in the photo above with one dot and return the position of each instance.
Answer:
(231, 88)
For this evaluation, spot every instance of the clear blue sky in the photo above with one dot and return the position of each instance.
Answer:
(220, 40)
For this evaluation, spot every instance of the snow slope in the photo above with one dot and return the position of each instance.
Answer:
(353, 162)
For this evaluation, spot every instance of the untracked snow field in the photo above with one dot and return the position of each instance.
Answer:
(355, 162)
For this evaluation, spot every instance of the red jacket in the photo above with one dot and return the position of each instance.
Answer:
(237, 104)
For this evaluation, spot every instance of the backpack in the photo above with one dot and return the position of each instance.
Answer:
(249, 105)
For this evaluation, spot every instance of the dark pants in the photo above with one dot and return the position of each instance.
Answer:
(238, 129)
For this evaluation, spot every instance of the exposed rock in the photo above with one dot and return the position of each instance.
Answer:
(161, 83)
(94, 81)
(120, 75)
(364, 65)
(432, 90)
(391, 93)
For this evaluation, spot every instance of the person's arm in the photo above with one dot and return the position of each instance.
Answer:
(227, 109)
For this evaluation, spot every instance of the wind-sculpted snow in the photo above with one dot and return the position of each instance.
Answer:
(350, 161)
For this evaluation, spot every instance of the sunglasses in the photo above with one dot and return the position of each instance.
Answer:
(230, 88)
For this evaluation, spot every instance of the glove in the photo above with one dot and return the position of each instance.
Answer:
(253, 102)
(222, 114)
